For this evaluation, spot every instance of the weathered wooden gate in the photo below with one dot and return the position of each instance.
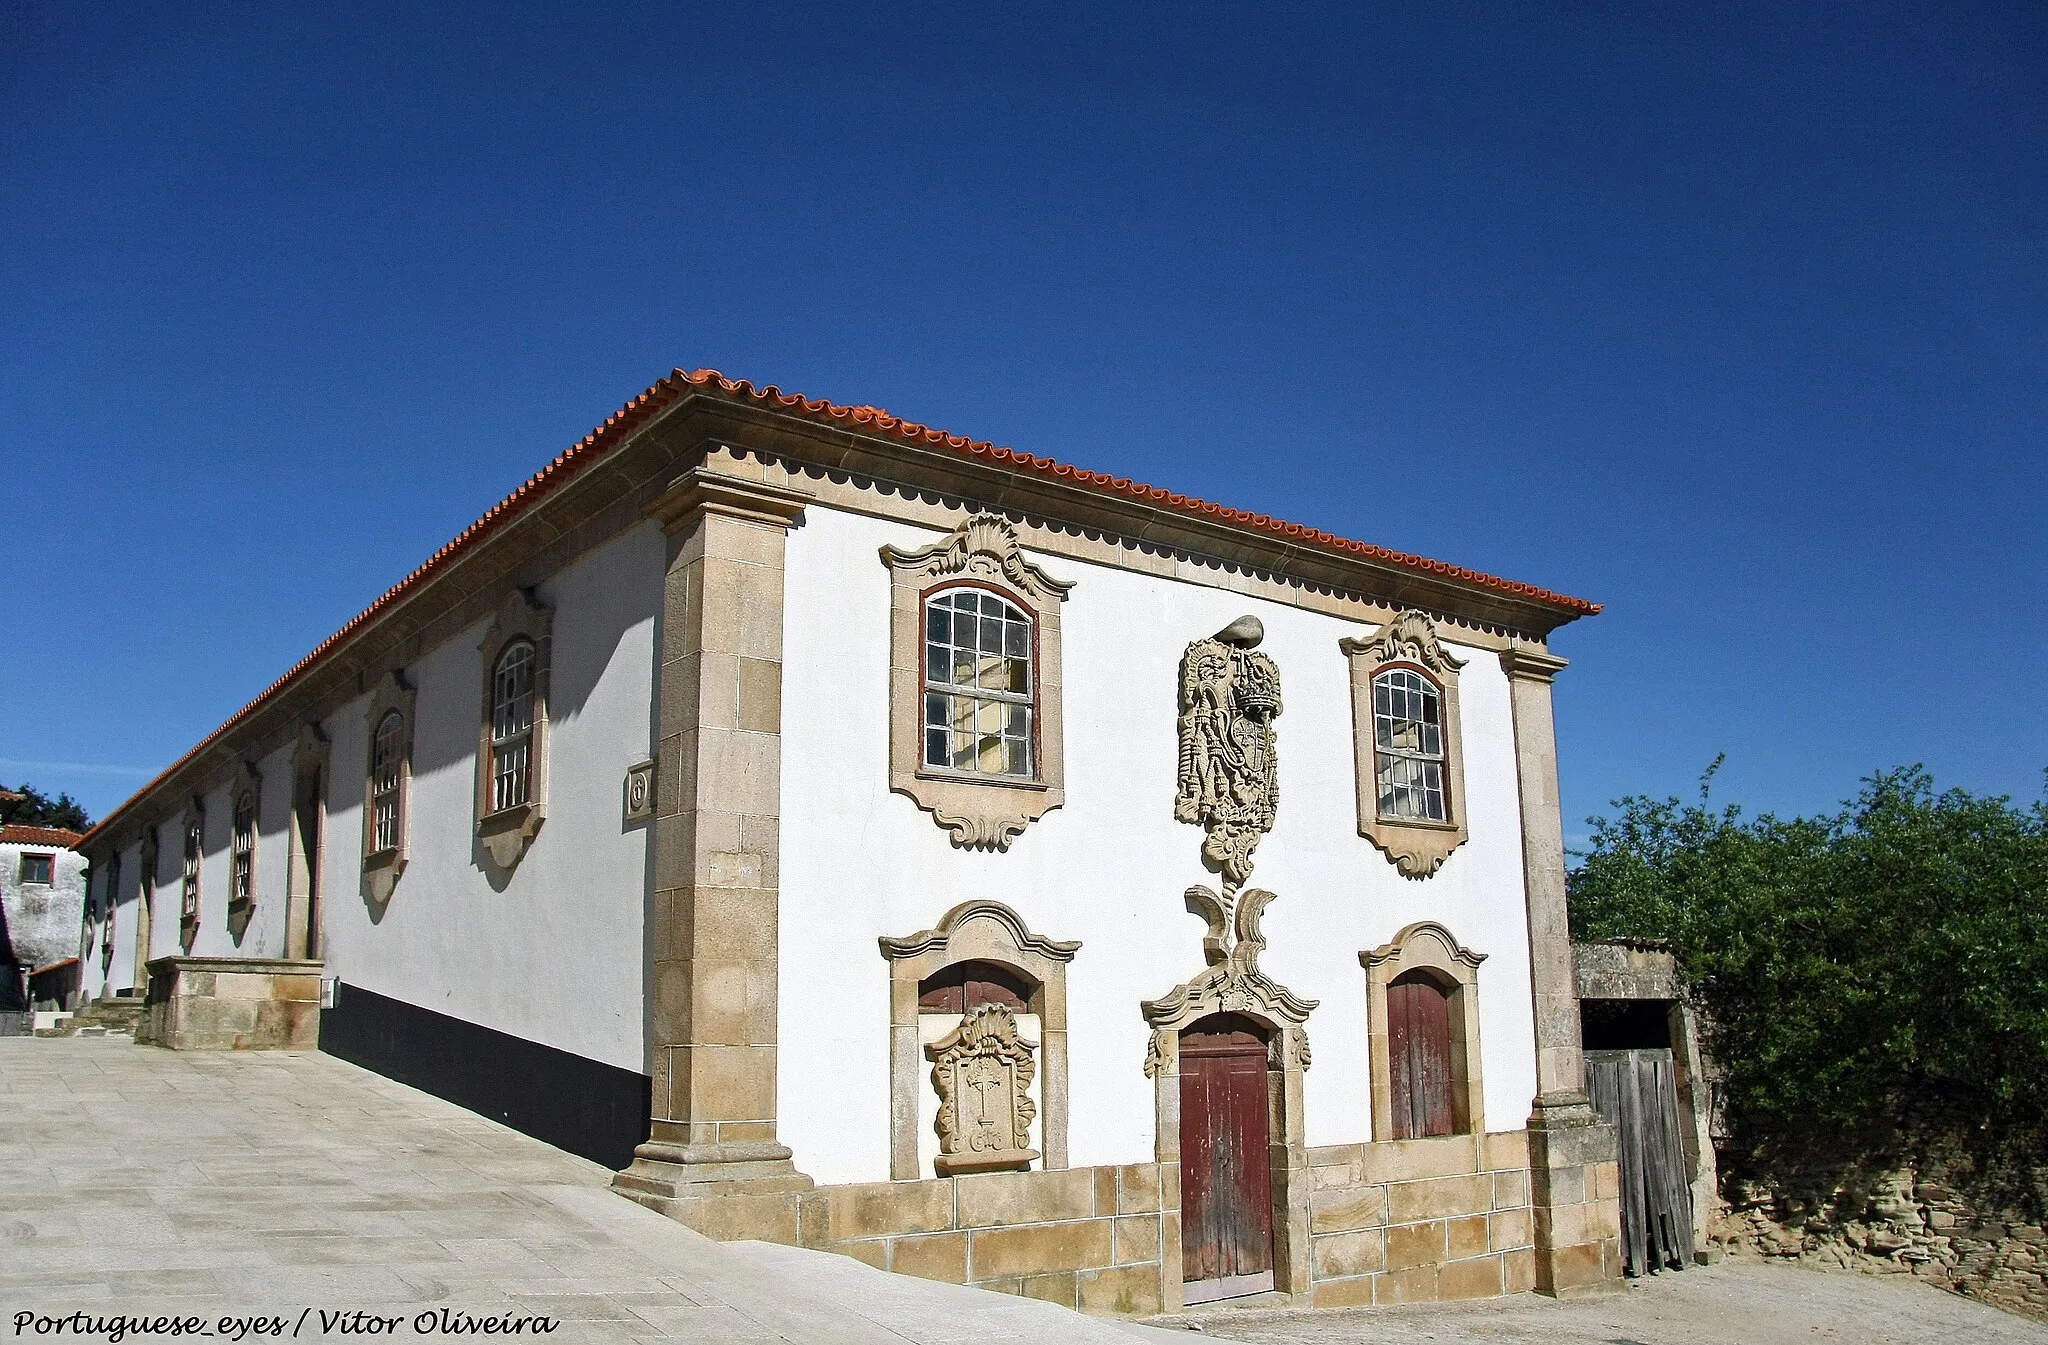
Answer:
(1636, 1091)
(1226, 1221)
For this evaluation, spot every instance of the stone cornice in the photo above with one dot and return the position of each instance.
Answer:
(988, 485)
(658, 467)
(1531, 663)
(704, 490)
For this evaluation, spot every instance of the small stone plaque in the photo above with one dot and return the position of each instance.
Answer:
(640, 792)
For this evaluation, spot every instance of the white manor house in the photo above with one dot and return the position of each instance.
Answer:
(869, 839)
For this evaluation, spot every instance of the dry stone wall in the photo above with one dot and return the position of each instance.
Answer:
(1973, 1230)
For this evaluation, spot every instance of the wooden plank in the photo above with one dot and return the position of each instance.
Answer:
(1671, 1192)
(1401, 1063)
(1247, 1167)
(1201, 1253)
(1637, 1092)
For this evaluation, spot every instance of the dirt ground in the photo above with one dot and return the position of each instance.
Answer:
(1738, 1302)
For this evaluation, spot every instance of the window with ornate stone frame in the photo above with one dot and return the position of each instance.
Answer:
(984, 806)
(147, 863)
(245, 806)
(1407, 649)
(512, 745)
(110, 889)
(188, 892)
(1428, 950)
(974, 932)
(387, 786)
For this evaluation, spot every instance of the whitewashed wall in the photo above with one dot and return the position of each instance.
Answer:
(43, 920)
(555, 953)
(1109, 868)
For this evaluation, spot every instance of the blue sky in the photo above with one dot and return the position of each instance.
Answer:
(1733, 317)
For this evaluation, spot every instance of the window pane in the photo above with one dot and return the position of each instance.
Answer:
(934, 747)
(1016, 757)
(938, 625)
(512, 692)
(1017, 639)
(1019, 679)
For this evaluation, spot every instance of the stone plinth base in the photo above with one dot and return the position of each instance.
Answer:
(724, 1191)
(1575, 1187)
(232, 1004)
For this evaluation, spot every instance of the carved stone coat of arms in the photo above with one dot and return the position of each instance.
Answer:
(983, 1071)
(1229, 779)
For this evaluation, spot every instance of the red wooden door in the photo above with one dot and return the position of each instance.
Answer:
(1419, 1047)
(1226, 1172)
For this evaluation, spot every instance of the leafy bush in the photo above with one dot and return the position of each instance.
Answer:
(1883, 970)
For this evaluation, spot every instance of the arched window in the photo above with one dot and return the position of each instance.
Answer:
(387, 756)
(188, 912)
(978, 684)
(113, 896)
(1419, 1050)
(1408, 745)
(512, 726)
(242, 852)
(512, 734)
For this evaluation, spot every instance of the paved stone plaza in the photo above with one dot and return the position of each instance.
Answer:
(138, 1180)
(143, 1181)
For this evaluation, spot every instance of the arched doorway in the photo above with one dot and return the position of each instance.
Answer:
(1226, 1166)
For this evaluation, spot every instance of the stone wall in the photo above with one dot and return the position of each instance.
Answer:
(1947, 1222)
(232, 1004)
(1397, 1222)
(1407, 1221)
(1086, 1238)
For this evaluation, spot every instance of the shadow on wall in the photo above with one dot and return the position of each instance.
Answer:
(594, 1110)
(583, 647)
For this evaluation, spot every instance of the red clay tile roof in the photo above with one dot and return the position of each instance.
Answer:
(27, 835)
(877, 421)
(872, 420)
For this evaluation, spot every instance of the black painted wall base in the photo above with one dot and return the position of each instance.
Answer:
(594, 1110)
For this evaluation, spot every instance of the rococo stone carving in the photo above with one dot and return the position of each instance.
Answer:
(1411, 636)
(978, 811)
(983, 1071)
(1229, 781)
(1233, 981)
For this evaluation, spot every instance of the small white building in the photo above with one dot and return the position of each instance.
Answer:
(43, 897)
(872, 839)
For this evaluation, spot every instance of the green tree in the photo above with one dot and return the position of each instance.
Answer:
(34, 808)
(1883, 969)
